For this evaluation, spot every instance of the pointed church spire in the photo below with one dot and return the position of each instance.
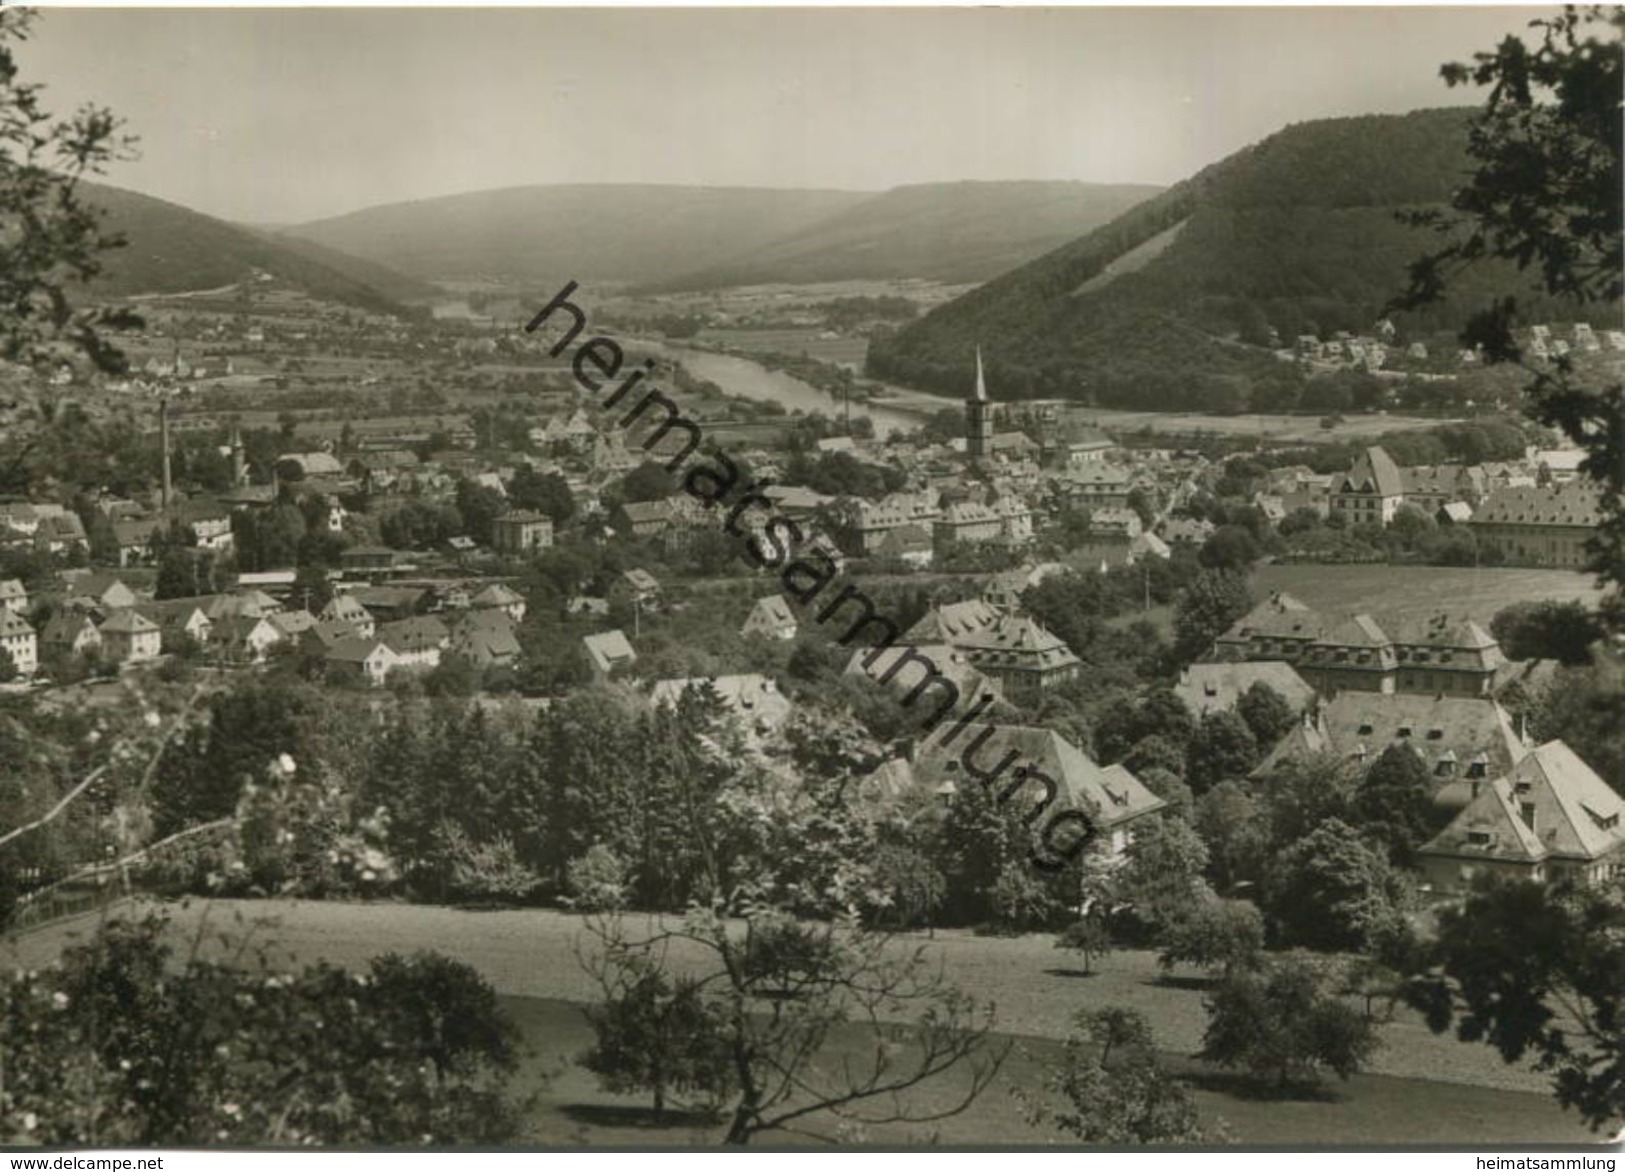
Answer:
(981, 385)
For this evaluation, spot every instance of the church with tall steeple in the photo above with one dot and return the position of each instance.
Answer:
(979, 418)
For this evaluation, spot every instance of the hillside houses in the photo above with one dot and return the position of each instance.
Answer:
(19, 641)
(1054, 769)
(1370, 492)
(1536, 526)
(1014, 649)
(770, 618)
(1457, 738)
(1550, 816)
(1339, 652)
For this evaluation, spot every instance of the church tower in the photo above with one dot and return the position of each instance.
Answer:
(978, 418)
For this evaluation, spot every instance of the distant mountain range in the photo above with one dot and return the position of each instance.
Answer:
(621, 233)
(172, 249)
(957, 233)
(1173, 303)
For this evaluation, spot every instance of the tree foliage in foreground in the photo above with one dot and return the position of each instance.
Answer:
(812, 1018)
(124, 1045)
(1284, 1027)
(1538, 972)
(1114, 1089)
(1545, 194)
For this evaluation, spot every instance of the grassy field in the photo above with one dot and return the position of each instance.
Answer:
(570, 1108)
(1422, 1088)
(1412, 591)
(841, 350)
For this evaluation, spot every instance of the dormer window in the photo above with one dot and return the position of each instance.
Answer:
(1435, 734)
(1478, 837)
(1365, 730)
(1404, 730)
(1477, 769)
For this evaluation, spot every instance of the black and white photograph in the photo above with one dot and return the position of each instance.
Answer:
(812, 578)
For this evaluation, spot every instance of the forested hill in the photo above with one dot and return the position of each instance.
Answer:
(173, 249)
(1170, 306)
(957, 233)
(547, 235)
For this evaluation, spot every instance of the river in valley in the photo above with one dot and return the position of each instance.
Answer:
(902, 410)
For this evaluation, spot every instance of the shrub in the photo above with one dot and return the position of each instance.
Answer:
(598, 881)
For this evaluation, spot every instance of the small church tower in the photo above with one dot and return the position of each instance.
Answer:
(239, 467)
(978, 418)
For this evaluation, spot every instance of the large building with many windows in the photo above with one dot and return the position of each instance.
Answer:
(1438, 655)
(1370, 492)
(1540, 526)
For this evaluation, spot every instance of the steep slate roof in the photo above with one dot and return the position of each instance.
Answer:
(1463, 725)
(1492, 816)
(12, 623)
(129, 621)
(1573, 806)
(496, 594)
(953, 621)
(67, 625)
(421, 633)
(1111, 795)
(773, 610)
(1576, 503)
(1373, 471)
(356, 649)
(954, 665)
(292, 622)
(1023, 638)
(751, 698)
(1215, 687)
(1279, 616)
(346, 609)
(909, 538)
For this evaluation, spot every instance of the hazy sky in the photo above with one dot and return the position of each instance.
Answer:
(282, 115)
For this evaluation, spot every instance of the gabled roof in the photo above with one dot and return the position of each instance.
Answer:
(497, 594)
(1373, 471)
(292, 622)
(751, 697)
(12, 623)
(1577, 503)
(1111, 795)
(773, 610)
(1577, 814)
(1215, 687)
(1489, 827)
(357, 649)
(952, 621)
(346, 608)
(415, 634)
(12, 588)
(907, 672)
(129, 621)
(1279, 616)
(909, 538)
(609, 650)
(1463, 725)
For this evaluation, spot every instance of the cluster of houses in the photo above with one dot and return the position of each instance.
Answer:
(1372, 352)
(367, 633)
(1538, 511)
(1432, 686)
